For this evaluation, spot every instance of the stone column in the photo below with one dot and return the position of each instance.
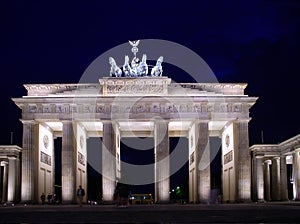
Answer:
(283, 179)
(5, 180)
(202, 161)
(296, 175)
(68, 163)
(29, 162)
(108, 162)
(242, 160)
(18, 180)
(12, 171)
(1, 187)
(267, 186)
(258, 178)
(162, 162)
(275, 194)
(53, 167)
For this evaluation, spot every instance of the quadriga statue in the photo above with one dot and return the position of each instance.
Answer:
(114, 68)
(157, 69)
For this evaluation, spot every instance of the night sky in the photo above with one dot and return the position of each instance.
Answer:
(254, 42)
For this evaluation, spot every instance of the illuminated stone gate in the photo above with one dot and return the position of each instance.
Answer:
(119, 107)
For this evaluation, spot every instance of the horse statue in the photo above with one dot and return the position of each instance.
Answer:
(114, 69)
(143, 67)
(126, 67)
(135, 66)
(157, 69)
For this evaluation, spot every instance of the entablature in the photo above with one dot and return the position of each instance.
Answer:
(7, 151)
(140, 109)
(284, 148)
(117, 86)
(136, 105)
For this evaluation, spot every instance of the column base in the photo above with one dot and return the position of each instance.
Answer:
(28, 202)
(68, 202)
(13, 202)
(162, 202)
(243, 201)
(108, 202)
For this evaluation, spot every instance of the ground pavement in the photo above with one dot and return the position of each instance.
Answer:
(171, 213)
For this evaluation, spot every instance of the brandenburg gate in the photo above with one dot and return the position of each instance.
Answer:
(130, 103)
(109, 109)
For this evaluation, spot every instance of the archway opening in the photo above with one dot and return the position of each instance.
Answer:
(179, 168)
(58, 170)
(215, 168)
(135, 153)
(94, 169)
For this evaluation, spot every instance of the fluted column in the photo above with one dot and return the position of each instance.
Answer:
(18, 180)
(275, 194)
(202, 161)
(258, 178)
(283, 179)
(1, 187)
(162, 162)
(11, 182)
(29, 171)
(53, 167)
(267, 185)
(68, 163)
(296, 175)
(5, 181)
(108, 162)
(243, 160)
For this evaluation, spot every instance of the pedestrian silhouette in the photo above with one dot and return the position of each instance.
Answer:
(43, 198)
(49, 198)
(122, 193)
(80, 195)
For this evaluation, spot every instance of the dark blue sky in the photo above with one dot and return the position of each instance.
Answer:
(254, 42)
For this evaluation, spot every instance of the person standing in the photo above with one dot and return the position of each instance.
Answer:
(43, 198)
(80, 195)
(123, 195)
(49, 198)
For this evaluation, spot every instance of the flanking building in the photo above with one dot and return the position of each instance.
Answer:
(276, 171)
(9, 173)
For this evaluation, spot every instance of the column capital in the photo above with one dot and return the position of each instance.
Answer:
(268, 161)
(110, 122)
(106, 121)
(200, 121)
(296, 150)
(67, 121)
(159, 120)
(259, 155)
(4, 163)
(242, 120)
(29, 121)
